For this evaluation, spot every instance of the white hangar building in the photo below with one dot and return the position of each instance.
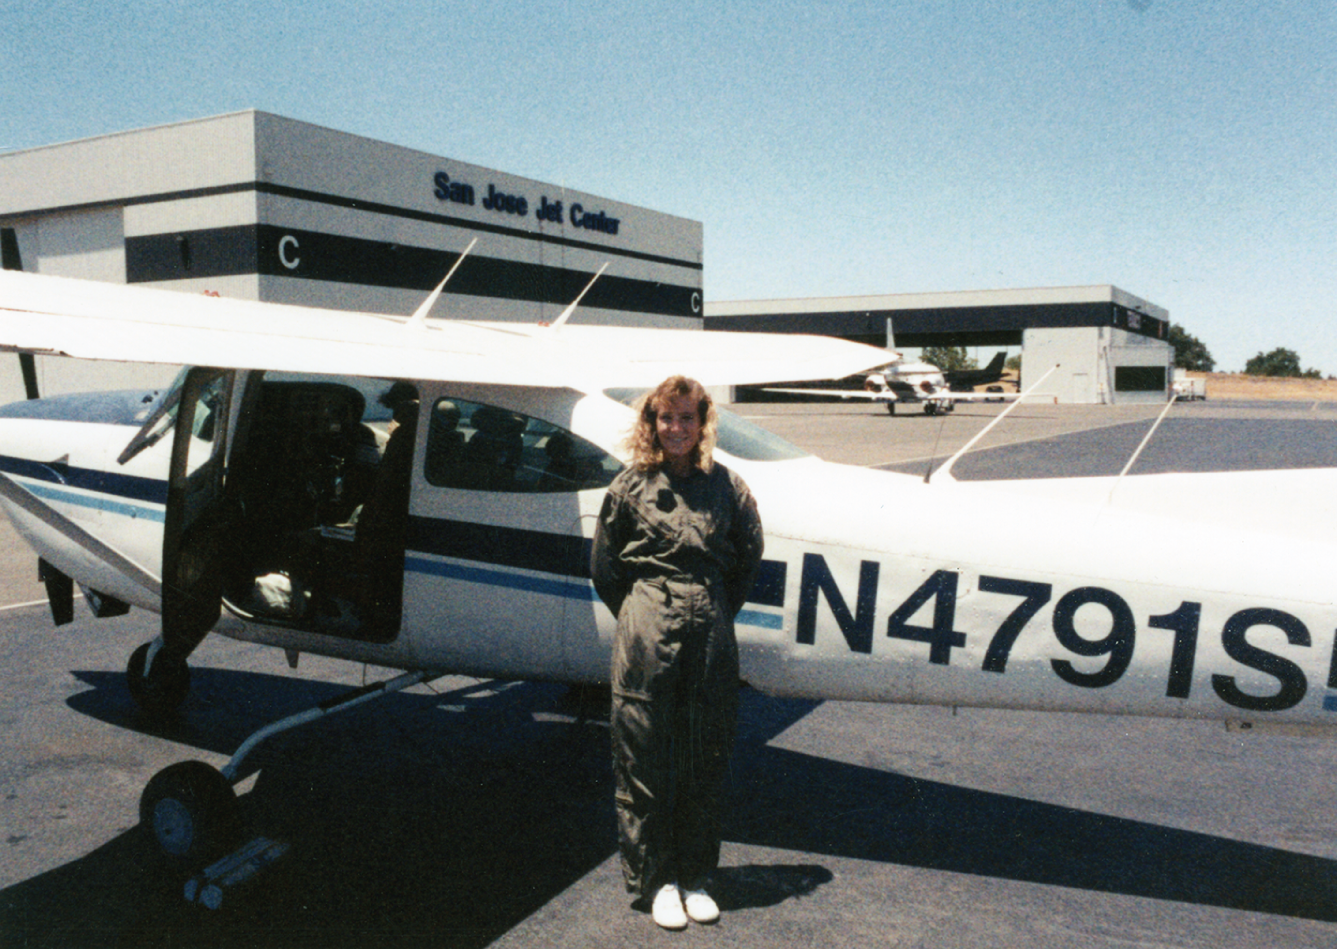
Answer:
(261, 207)
(1110, 346)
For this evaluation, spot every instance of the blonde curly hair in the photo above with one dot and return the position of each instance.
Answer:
(642, 442)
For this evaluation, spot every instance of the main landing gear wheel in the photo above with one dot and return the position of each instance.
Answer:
(191, 811)
(162, 690)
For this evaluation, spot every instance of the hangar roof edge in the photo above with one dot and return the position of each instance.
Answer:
(123, 133)
(1035, 296)
(231, 147)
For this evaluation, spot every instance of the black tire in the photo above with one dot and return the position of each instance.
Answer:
(190, 810)
(891, 408)
(163, 690)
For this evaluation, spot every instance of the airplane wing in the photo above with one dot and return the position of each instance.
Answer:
(887, 395)
(630, 356)
(884, 396)
(979, 396)
(96, 320)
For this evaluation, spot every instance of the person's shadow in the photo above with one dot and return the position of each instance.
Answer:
(753, 886)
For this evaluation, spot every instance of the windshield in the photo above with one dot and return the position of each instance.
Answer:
(737, 436)
(160, 420)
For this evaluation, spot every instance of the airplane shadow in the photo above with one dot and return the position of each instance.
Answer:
(460, 814)
(812, 804)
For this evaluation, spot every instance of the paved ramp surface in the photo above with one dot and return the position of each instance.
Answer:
(479, 813)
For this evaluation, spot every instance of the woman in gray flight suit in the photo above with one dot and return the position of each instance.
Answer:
(675, 554)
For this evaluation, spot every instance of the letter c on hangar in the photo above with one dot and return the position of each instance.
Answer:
(696, 302)
(285, 242)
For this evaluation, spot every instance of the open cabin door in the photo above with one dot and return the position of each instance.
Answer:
(311, 534)
(194, 526)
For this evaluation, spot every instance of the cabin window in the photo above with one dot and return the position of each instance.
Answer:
(484, 448)
(210, 405)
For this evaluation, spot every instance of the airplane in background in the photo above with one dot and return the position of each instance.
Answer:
(266, 498)
(917, 383)
(965, 380)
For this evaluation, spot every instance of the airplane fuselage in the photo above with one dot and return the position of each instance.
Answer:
(911, 382)
(875, 586)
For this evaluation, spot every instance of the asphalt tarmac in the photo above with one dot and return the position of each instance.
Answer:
(480, 813)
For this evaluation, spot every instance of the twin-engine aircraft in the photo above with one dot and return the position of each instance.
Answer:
(918, 383)
(420, 495)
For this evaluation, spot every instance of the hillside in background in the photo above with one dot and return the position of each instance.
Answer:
(1236, 385)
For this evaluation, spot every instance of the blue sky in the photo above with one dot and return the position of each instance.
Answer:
(1184, 151)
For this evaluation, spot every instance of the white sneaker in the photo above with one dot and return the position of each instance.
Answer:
(667, 909)
(700, 907)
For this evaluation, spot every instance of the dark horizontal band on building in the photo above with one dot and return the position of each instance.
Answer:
(997, 325)
(286, 252)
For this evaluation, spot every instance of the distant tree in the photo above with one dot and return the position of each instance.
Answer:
(1013, 363)
(1190, 352)
(948, 358)
(1280, 362)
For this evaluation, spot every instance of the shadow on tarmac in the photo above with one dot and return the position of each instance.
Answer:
(457, 815)
(810, 804)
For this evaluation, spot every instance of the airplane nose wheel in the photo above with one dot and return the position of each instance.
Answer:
(162, 688)
(191, 810)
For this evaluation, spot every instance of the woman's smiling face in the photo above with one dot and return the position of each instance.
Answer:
(678, 425)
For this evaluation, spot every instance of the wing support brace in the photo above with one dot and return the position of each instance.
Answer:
(232, 770)
(59, 592)
(22, 497)
(945, 472)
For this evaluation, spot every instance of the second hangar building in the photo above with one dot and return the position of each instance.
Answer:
(1109, 345)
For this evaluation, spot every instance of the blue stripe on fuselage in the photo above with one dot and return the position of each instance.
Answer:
(747, 617)
(565, 555)
(99, 502)
(501, 578)
(128, 487)
(566, 589)
(494, 549)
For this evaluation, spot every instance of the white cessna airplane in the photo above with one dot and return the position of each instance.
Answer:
(259, 499)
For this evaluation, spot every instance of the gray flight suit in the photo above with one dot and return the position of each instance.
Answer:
(674, 558)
